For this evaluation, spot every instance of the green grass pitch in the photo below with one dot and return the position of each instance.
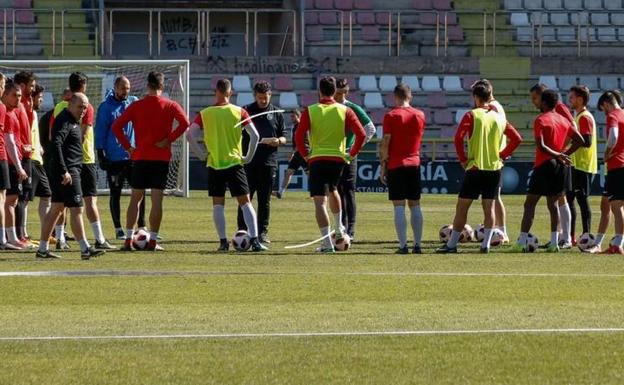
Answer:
(367, 289)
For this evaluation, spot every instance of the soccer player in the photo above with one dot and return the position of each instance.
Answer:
(327, 123)
(67, 158)
(263, 166)
(403, 129)
(11, 99)
(565, 216)
(152, 118)
(584, 160)
(26, 80)
(88, 178)
(222, 132)
(551, 131)
(483, 129)
(112, 157)
(614, 157)
(296, 161)
(40, 184)
(347, 184)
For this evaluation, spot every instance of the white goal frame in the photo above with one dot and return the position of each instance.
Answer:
(186, 69)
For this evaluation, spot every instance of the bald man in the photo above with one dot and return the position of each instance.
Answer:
(65, 169)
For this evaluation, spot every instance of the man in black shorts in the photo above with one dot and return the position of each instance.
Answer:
(296, 160)
(65, 183)
(483, 128)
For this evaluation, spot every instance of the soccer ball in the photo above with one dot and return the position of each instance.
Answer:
(445, 233)
(479, 233)
(497, 238)
(586, 241)
(343, 244)
(140, 239)
(467, 234)
(532, 243)
(241, 241)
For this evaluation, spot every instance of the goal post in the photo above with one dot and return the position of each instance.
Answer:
(54, 74)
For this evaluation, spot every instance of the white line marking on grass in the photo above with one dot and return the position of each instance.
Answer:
(115, 273)
(322, 334)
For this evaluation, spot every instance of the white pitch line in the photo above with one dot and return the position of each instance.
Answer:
(322, 334)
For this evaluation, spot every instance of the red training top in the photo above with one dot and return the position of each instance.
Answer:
(555, 129)
(3, 116)
(406, 126)
(616, 119)
(12, 126)
(351, 122)
(152, 118)
(564, 111)
(465, 129)
(23, 137)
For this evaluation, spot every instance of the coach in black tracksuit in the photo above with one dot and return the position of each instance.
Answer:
(261, 170)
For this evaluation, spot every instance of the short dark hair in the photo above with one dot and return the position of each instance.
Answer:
(9, 86)
(262, 87)
(24, 77)
(403, 91)
(119, 79)
(156, 80)
(612, 97)
(342, 83)
(538, 88)
(327, 86)
(297, 112)
(483, 91)
(483, 81)
(581, 91)
(77, 80)
(550, 99)
(38, 90)
(224, 86)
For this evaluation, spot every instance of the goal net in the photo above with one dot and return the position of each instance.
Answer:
(54, 75)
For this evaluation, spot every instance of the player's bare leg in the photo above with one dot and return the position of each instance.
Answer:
(251, 221)
(617, 208)
(489, 215)
(9, 220)
(461, 217)
(288, 174)
(48, 222)
(500, 221)
(603, 225)
(530, 202)
(322, 220)
(136, 196)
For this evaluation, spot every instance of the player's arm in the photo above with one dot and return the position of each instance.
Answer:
(514, 140)
(254, 138)
(353, 123)
(612, 140)
(464, 129)
(58, 138)
(300, 135)
(118, 126)
(281, 129)
(366, 122)
(183, 122)
(196, 131)
(12, 151)
(576, 140)
(586, 129)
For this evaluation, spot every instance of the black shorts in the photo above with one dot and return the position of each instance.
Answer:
(605, 188)
(480, 183)
(404, 183)
(568, 181)
(548, 179)
(16, 186)
(233, 178)
(5, 180)
(70, 195)
(88, 180)
(27, 183)
(118, 173)
(581, 182)
(40, 184)
(616, 186)
(297, 161)
(324, 177)
(148, 174)
(349, 176)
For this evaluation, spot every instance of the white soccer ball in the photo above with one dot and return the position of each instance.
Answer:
(140, 239)
(497, 238)
(241, 241)
(445, 233)
(532, 243)
(479, 233)
(467, 234)
(343, 245)
(586, 241)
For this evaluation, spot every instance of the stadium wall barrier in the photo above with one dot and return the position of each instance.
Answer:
(437, 177)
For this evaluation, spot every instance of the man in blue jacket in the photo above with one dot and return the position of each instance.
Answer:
(111, 155)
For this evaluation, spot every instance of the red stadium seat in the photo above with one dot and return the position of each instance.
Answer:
(377, 116)
(356, 97)
(436, 100)
(309, 4)
(371, 33)
(311, 18)
(260, 78)
(314, 33)
(443, 117)
(442, 5)
(363, 4)
(308, 98)
(328, 18)
(468, 81)
(429, 19)
(383, 18)
(284, 83)
(425, 5)
(366, 18)
(324, 4)
(25, 17)
(344, 5)
(455, 33)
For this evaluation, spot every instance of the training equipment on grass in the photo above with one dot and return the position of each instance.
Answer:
(479, 233)
(445, 233)
(532, 243)
(343, 245)
(241, 241)
(466, 234)
(497, 238)
(140, 239)
(586, 241)
(309, 243)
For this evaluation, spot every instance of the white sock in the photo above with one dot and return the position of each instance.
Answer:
(503, 229)
(97, 231)
(84, 244)
(599, 239)
(129, 233)
(325, 231)
(3, 238)
(59, 233)
(251, 221)
(218, 217)
(282, 190)
(487, 239)
(416, 220)
(522, 240)
(400, 225)
(44, 245)
(338, 227)
(153, 235)
(11, 235)
(454, 239)
(566, 222)
(554, 238)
